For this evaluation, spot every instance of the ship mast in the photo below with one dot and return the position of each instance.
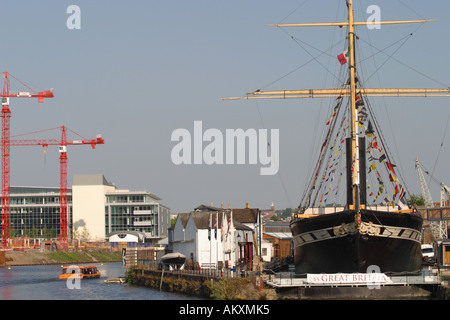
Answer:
(350, 92)
(353, 111)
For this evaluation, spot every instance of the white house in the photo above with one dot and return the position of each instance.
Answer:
(210, 237)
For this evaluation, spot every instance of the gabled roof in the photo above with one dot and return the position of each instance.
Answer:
(184, 217)
(246, 215)
(203, 207)
(201, 219)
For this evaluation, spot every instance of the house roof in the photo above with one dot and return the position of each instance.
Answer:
(279, 235)
(184, 217)
(203, 207)
(201, 219)
(246, 215)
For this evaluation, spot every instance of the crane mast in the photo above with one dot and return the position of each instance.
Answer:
(5, 149)
(438, 228)
(424, 187)
(63, 160)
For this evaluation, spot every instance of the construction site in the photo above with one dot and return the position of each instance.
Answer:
(56, 200)
(436, 216)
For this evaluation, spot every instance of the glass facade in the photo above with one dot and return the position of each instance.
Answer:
(35, 212)
(133, 212)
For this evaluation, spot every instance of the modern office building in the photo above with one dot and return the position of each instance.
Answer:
(96, 208)
(35, 211)
(101, 208)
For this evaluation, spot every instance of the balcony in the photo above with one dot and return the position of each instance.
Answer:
(142, 223)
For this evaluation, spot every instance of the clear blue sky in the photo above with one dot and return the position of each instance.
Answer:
(138, 70)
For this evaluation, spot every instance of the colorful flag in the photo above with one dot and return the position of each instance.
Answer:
(344, 57)
(209, 228)
(215, 226)
(369, 131)
(358, 100)
(391, 166)
(372, 167)
(362, 116)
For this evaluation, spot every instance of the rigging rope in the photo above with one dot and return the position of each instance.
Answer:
(440, 148)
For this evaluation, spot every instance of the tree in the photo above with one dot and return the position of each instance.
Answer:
(416, 200)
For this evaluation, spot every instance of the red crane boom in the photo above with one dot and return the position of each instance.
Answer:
(63, 143)
(5, 146)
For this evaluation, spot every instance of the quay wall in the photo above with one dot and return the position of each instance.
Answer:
(200, 285)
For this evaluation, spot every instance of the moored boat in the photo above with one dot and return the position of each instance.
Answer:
(173, 260)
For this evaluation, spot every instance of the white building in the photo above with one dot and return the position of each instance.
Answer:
(210, 237)
(100, 208)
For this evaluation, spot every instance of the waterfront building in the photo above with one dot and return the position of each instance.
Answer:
(35, 211)
(101, 208)
(214, 237)
(95, 209)
(279, 236)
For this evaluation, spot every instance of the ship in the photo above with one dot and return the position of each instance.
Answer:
(373, 229)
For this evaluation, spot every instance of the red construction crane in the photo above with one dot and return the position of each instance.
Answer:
(5, 144)
(63, 143)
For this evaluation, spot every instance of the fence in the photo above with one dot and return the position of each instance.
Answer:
(293, 280)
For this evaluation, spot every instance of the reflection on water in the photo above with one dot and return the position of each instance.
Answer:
(43, 283)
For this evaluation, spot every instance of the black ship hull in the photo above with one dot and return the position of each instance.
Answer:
(345, 242)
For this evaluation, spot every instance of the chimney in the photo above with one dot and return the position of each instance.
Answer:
(247, 205)
(221, 205)
(229, 206)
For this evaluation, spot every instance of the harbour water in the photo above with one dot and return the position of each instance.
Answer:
(43, 283)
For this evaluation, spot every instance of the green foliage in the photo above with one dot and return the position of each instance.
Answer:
(416, 200)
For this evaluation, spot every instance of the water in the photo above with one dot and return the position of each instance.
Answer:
(43, 283)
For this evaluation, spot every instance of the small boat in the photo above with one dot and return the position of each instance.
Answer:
(83, 272)
(174, 260)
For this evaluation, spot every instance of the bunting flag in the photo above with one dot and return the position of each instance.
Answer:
(391, 167)
(362, 116)
(369, 131)
(332, 115)
(358, 100)
(344, 57)
(392, 178)
(401, 196)
(372, 167)
(380, 181)
(382, 158)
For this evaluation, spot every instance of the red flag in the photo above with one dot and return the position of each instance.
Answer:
(344, 57)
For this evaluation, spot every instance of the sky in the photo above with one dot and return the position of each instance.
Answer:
(136, 71)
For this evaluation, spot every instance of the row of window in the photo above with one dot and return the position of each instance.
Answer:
(125, 198)
(36, 211)
(37, 200)
(150, 209)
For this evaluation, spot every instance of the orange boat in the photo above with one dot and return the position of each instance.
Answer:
(83, 272)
